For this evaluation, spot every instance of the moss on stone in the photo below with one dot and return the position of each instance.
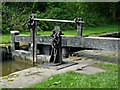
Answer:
(11, 76)
(10, 80)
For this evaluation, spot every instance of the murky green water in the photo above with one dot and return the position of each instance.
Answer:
(10, 66)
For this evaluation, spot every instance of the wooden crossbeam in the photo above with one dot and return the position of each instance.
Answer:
(76, 41)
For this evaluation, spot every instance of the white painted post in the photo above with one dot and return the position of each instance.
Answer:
(14, 45)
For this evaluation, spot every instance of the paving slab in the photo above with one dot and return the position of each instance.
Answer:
(59, 66)
(90, 70)
(25, 77)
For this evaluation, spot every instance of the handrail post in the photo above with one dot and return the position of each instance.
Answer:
(32, 24)
(79, 26)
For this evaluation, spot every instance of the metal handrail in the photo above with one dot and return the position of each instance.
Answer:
(55, 20)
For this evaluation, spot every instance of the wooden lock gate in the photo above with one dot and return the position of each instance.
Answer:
(57, 40)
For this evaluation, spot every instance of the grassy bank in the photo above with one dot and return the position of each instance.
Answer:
(89, 31)
(108, 79)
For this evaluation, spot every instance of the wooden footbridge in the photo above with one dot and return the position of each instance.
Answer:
(55, 45)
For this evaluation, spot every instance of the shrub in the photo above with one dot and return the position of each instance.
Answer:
(15, 14)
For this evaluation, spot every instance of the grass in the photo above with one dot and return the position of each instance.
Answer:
(89, 31)
(71, 79)
(0, 88)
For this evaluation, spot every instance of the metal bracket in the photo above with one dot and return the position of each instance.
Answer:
(79, 25)
(31, 22)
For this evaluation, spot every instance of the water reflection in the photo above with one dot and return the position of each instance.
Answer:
(11, 66)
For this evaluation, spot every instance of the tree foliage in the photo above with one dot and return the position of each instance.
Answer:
(15, 14)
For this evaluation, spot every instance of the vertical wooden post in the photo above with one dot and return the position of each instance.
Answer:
(14, 45)
(79, 27)
(33, 45)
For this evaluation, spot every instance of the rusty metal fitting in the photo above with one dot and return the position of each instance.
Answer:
(31, 22)
(78, 20)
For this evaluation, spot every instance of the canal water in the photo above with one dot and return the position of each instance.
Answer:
(10, 66)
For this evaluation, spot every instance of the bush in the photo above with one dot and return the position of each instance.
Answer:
(14, 17)
(15, 14)
(17, 27)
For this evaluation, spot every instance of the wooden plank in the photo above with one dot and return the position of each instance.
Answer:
(44, 39)
(22, 38)
(102, 43)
